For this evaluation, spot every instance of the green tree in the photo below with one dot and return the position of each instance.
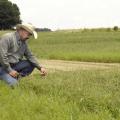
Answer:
(9, 14)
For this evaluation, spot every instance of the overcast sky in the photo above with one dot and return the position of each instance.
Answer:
(65, 14)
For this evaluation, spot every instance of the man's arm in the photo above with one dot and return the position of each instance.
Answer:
(4, 45)
(28, 54)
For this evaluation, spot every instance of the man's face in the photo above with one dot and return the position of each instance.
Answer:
(25, 35)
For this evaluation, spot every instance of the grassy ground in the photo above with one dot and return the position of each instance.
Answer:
(98, 46)
(75, 95)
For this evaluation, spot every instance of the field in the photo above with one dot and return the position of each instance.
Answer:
(97, 46)
(72, 90)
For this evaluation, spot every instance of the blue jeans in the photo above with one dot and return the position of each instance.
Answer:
(23, 67)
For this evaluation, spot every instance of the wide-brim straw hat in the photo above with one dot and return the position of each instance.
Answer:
(28, 27)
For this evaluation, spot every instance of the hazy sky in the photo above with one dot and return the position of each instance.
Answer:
(63, 14)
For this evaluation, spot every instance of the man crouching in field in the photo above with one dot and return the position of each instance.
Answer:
(13, 48)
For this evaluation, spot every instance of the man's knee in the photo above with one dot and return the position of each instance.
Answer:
(29, 65)
(26, 63)
(23, 65)
(27, 68)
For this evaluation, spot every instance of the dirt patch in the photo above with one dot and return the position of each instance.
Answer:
(75, 65)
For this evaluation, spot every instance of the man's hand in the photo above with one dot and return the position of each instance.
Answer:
(43, 71)
(14, 73)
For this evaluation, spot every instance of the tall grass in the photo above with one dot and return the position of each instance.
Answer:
(98, 46)
(77, 95)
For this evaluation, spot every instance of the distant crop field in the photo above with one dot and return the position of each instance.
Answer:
(97, 46)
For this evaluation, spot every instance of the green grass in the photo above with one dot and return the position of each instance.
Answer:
(77, 95)
(98, 46)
